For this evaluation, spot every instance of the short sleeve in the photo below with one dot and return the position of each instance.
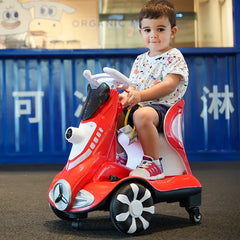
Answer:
(176, 64)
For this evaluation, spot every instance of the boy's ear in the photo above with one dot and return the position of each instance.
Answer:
(173, 31)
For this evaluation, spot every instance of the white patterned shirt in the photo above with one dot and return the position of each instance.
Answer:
(149, 71)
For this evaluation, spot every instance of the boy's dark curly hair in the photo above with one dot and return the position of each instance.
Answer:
(154, 9)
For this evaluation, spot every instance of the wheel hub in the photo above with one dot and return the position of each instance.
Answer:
(136, 208)
(62, 195)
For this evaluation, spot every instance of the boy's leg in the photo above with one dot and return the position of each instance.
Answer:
(146, 120)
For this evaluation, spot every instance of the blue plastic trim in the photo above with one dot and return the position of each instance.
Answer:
(47, 53)
(236, 23)
(237, 61)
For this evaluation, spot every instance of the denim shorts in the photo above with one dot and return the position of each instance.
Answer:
(160, 109)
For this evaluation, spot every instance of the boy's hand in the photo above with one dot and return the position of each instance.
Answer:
(123, 99)
(133, 97)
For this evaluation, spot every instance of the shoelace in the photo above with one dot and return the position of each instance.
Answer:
(145, 164)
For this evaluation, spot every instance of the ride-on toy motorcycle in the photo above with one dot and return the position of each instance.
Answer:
(93, 180)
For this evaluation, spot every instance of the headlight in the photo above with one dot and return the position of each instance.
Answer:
(83, 199)
(74, 135)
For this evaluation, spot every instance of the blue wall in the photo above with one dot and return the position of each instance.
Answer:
(53, 79)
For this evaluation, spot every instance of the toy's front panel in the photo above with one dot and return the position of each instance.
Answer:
(93, 145)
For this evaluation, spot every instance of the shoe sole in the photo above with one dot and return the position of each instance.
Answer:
(157, 177)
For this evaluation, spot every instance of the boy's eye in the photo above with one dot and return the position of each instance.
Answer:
(147, 30)
(161, 29)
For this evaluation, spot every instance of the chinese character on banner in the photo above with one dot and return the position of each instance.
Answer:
(80, 96)
(220, 102)
(23, 104)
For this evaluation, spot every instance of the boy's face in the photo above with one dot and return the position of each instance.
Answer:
(157, 34)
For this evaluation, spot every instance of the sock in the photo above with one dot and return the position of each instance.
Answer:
(157, 162)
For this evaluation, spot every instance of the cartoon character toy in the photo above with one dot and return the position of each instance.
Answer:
(92, 180)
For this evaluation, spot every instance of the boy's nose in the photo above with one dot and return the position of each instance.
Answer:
(153, 34)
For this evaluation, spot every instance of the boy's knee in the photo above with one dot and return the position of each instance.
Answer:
(140, 117)
(137, 115)
(145, 116)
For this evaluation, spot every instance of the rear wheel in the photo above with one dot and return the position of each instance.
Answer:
(194, 215)
(131, 208)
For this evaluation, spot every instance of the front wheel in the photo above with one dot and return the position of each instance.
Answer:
(60, 214)
(131, 208)
(68, 216)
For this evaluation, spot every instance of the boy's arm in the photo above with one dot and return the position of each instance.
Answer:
(160, 90)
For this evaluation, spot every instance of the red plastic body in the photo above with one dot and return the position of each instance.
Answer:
(92, 173)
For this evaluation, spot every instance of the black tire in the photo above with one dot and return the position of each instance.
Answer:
(194, 215)
(68, 216)
(132, 208)
(60, 214)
